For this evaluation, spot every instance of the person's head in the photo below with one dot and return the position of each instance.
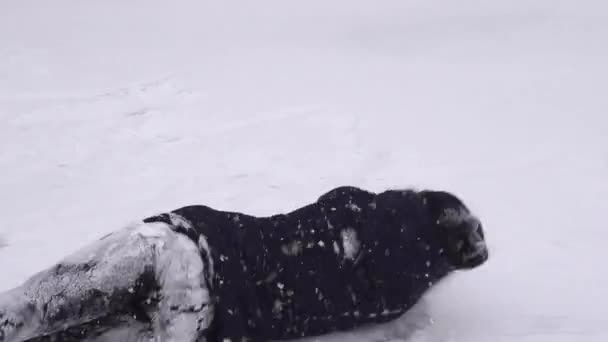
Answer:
(460, 232)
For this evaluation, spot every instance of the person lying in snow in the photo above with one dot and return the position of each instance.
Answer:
(197, 274)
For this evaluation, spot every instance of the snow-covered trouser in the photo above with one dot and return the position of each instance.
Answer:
(145, 282)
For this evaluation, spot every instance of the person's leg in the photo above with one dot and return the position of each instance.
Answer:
(146, 271)
(185, 309)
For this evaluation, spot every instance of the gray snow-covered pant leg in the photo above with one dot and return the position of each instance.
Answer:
(143, 270)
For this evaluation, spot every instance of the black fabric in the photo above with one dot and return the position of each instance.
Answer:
(287, 276)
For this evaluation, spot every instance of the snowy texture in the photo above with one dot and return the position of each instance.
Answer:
(185, 308)
(104, 278)
(114, 110)
(350, 243)
(203, 246)
(179, 221)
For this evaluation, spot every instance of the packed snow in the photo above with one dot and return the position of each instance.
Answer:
(111, 111)
(350, 243)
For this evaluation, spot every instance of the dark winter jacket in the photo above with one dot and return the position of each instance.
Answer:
(352, 257)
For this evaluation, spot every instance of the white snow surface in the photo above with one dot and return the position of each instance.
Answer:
(114, 110)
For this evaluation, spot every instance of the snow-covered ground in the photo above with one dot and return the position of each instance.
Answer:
(111, 110)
